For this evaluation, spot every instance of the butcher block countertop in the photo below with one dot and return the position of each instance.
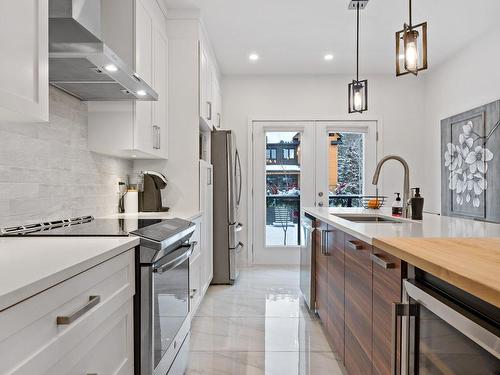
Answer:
(472, 264)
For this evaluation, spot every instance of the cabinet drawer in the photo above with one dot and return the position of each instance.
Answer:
(106, 350)
(31, 341)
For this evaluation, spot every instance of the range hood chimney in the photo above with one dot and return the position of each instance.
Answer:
(81, 64)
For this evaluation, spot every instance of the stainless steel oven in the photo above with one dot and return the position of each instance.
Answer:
(162, 321)
(444, 331)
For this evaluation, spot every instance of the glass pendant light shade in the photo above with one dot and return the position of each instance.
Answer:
(411, 48)
(358, 96)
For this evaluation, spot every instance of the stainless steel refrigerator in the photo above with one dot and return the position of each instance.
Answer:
(227, 196)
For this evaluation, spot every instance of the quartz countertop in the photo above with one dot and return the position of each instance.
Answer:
(30, 265)
(430, 227)
(462, 252)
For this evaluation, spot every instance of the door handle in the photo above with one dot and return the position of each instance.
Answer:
(382, 263)
(324, 241)
(65, 320)
(209, 106)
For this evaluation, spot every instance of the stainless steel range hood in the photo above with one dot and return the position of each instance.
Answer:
(81, 64)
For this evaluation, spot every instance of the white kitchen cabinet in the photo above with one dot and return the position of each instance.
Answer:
(206, 206)
(34, 340)
(206, 82)
(194, 284)
(134, 129)
(24, 64)
(217, 96)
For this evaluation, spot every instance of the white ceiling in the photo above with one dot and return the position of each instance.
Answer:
(292, 36)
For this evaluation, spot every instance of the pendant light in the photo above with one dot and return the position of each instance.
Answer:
(358, 90)
(411, 47)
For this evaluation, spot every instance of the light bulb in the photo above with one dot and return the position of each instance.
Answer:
(411, 51)
(141, 93)
(358, 100)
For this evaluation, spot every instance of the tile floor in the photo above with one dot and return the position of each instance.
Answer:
(259, 326)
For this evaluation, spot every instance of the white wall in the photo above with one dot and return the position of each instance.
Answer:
(47, 172)
(398, 103)
(466, 80)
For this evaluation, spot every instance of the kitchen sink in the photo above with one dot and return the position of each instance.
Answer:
(370, 219)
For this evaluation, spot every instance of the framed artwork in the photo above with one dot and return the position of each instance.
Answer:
(470, 163)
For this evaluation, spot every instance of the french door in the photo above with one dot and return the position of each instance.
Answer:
(283, 182)
(304, 164)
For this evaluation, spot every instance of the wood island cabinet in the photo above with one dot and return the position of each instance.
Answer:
(358, 306)
(388, 271)
(321, 260)
(356, 285)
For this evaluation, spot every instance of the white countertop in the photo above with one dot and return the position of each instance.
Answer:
(431, 225)
(31, 265)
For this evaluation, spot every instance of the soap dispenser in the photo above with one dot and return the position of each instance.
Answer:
(397, 206)
(417, 204)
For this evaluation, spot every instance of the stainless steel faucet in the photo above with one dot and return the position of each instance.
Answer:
(406, 187)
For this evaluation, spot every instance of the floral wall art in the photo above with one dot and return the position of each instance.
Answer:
(470, 168)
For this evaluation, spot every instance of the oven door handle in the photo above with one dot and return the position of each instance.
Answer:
(181, 258)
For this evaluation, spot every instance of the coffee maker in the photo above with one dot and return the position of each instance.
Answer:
(150, 192)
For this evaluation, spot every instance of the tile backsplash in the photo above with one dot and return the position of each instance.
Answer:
(47, 172)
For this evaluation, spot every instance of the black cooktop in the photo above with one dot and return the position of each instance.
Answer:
(81, 227)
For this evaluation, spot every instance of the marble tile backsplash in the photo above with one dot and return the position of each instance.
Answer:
(47, 172)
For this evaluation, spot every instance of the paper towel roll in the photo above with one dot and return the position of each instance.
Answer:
(131, 202)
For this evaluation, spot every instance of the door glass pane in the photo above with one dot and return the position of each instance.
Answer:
(345, 169)
(282, 188)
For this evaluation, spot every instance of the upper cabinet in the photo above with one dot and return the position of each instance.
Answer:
(136, 30)
(24, 83)
(210, 93)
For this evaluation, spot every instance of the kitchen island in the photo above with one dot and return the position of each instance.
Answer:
(368, 266)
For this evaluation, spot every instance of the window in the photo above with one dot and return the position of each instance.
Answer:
(273, 154)
(288, 153)
(268, 154)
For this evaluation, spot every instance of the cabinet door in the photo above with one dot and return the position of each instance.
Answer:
(206, 102)
(160, 83)
(143, 131)
(24, 74)
(388, 272)
(358, 306)
(335, 244)
(217, 97)
(194, 284)
(321, 264)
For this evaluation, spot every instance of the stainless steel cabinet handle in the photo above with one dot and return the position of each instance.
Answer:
(218, 120)
(324, 242)
(399, 310)
(156, 137)
(382, 263)
(209, 115)
(65, 320)
(159, 137)
(354, 245)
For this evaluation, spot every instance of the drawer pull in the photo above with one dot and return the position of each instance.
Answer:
(382, 263)
(65, 320)
(354, 245)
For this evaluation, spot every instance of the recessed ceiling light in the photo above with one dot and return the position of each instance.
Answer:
(134, 155)
(111, 68)
(328, 57)
(253, 57)
(141, 93)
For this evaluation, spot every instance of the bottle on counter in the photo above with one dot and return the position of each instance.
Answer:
(397, 206)
(417, 205)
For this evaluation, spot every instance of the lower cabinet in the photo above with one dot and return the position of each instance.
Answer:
(321, 260)
(356, 286)
(83, 325)
(388, 271)
(358, 306)
(336, 295)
